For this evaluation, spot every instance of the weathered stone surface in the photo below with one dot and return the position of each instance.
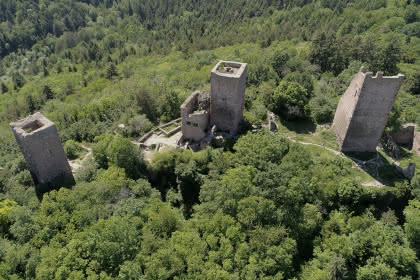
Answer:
(271, 122)
(228, 83)
(222, 110)
(405, 136)
(195, 117)
(363, 111)
(40, 144)
(416, 143)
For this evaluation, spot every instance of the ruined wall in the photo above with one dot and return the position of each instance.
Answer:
(416, 143)
(363, 111)
(194, 121)
(40, 144)
(405, 136)
(227, 95)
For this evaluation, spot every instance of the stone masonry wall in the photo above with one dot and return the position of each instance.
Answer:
(40, 144)
(405, 136)
(363, 111)
(194, 121)
(416, 143)
(227, 95)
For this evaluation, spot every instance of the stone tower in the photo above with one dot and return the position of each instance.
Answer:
(40, 144)
(228, 83)
(363, 111)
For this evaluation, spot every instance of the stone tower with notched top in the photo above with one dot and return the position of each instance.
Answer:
(227, 96)
(363, 111)
(40, 144)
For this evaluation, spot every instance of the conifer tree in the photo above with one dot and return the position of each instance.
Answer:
(111, 71)
(30, 103)
(48, 93)
(3, 87)
(18, 81)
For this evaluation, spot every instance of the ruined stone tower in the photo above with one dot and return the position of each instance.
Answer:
(40, 144)
(195, 116)
(228, 83)
(363, 111)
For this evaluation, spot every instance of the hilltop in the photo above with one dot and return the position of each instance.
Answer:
(263, 205)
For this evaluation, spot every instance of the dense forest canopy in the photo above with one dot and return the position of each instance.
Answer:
(262, 206)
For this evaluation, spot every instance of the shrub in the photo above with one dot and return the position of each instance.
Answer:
(72, 149)
(139, 125)
(322, 110)
(110, 150)
(289, 100)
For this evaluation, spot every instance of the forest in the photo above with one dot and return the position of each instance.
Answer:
(262, 206)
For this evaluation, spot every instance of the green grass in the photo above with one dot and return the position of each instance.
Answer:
(324, 136)
(305, 131)
(172, 126)
(355, 173)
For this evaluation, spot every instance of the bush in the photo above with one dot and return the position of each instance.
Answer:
(72, 149)
(289, 100)
(87, 172)
(110, 150)
(260, 149)
(6, 208)
(258, 73)
(302, 79)
(169, 106)
(322, 110)
(139, 125)
(413, 82)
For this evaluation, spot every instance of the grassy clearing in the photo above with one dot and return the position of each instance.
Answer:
(305, 131)
(323, 145)
(351, 171)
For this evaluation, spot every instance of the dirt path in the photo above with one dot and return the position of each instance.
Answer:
(374, 182)
(77, 163)
(321, 146)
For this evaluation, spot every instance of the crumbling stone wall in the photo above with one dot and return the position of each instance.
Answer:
(40, 144)
(416, 143)
(363, 111)
(195, 116)
(405, 136)
(228, 83)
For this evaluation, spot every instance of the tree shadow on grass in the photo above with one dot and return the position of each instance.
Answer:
(377, 166)
(300, 126)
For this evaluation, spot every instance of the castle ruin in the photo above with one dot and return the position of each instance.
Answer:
(363, 111)
(228, 84)
(222, 110)
(195, 116)
(40, 144)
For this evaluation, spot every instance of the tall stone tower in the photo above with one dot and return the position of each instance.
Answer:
(228, 83)
(363, 111)
(40, 144)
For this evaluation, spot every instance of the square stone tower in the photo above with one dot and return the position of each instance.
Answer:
(363, 111)
(40, 144)
(228, 83)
